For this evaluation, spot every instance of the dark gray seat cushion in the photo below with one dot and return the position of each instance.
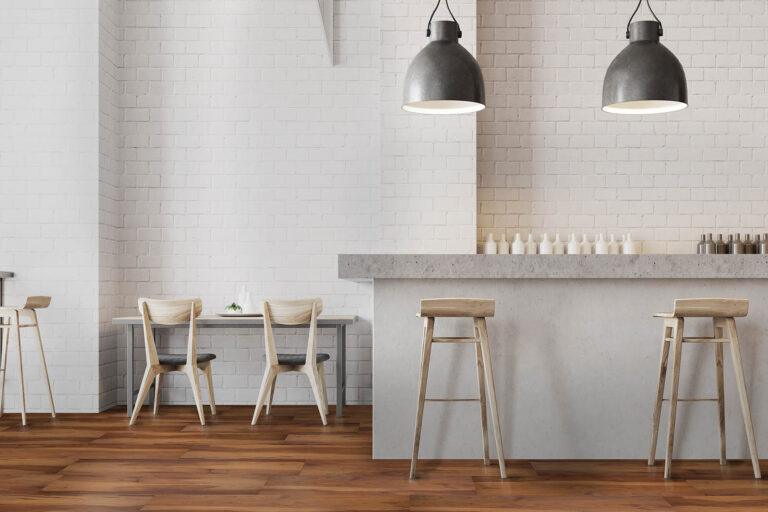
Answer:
(298, 359)
(179, 359)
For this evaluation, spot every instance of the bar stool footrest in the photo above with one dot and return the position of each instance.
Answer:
(702, 340)
(455, 340)
(451, 399)
(692, 399)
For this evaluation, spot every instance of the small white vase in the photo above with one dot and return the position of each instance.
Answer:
(558, 247)
(629, 246)
(490, 245)
(503, 245)
(601, 246)
(546, 245)
(249, 306)
(573, 245)
(518, 247)
(613, 246)
(530, 245)
(585, 247)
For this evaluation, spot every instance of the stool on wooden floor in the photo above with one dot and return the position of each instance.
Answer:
(478, 310)
(29, 314)
(722, 312)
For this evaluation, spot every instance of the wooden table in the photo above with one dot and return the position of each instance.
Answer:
(340, 322)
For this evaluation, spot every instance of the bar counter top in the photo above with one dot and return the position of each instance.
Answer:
(588, 266)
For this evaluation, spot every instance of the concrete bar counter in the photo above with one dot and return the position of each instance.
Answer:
(575, 352)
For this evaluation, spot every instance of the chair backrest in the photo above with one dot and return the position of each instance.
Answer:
(170, 312)
(37, 302)
(291, 312)
(717, 308)
(474, 308)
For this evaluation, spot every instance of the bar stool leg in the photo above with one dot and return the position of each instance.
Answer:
(6, 338)
(741, 385)
(21, 373)
(667, 333)
(158, 385)
(720, 389)
(486, 352)
(45, 366)
(426, 349)
(481, 389)
(676, 356)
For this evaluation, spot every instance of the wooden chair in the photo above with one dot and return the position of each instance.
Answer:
(292, 312)
(722, 312)
(478, 310)
(15, 314)
(173, 312)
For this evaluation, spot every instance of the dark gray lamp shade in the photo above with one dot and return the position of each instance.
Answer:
(645, 78)
(444, 78)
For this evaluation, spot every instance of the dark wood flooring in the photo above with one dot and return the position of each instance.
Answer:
(95, 462)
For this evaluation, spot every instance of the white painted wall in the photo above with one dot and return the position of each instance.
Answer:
(549, 159)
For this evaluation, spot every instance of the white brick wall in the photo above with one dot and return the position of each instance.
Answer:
(549, 159)
(49, 212)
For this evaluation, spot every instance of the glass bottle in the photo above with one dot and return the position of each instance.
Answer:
(738, 245)
(721, 247)
(701, 244)
(709, 245)
(749, 246)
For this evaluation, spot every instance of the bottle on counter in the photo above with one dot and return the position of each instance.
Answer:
(701, 244)
(764, 244)
(613, 246)
(709, 246)
(573, 245)
(601, 246)
(629, 246)
(720, 246)
(749, 245)
(518, 247)
(737, 247)
(546, 245)
(530, 245)
(503, 244)
(585, 247)
(558, 247)
(490, 245)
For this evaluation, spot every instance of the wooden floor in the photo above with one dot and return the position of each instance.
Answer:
(95, 462)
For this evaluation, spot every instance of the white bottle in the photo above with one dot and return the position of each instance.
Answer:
(601, 246)
(530, 245)
(546, 245)
(613, 246)
(585, 247)
(573, 245)
(503, 245)
(558, 247)
(490, 245)
(518, 247)
(629, 246)
(249, 305)
(241, 296)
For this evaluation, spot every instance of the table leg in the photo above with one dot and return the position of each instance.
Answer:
(129, 368)
(341, 368)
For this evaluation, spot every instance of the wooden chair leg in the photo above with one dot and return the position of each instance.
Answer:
(667, 333)
(158, 383)
(4, 365)
(720, 389)
(426, 349)
(194, 380)
(742, 387)
(146, 383)
(486, 352)
(209, 382)
(323, 388)
(272, 386)
(45, 367)
(481, 390)
(269, 376)
(21, 374)
(677, 351)
(314, 381)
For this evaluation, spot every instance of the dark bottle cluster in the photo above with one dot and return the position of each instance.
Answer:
(733, 245)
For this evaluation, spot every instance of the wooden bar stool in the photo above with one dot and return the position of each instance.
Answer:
(478, 310)
(722, 312)
(29, 314)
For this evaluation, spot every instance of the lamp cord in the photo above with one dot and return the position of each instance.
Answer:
(429, 23)
(647, 2)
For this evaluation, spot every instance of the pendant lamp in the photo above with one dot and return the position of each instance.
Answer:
(645, 78)
(444, 78)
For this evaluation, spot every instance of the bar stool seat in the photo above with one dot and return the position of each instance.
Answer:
(478, 310)
(29, 312)
(723, 313)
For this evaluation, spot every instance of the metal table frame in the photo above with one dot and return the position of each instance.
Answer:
(207, 322)
(3, 275)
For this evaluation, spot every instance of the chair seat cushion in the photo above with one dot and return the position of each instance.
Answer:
(298, 359)
(179, 359)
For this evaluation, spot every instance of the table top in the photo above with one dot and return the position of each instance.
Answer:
(5, 273)
(245, 321)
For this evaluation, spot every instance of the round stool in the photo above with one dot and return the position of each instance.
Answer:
(722, 312)
(27, 311)
(478, 310)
